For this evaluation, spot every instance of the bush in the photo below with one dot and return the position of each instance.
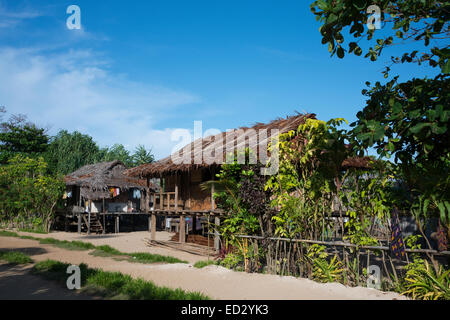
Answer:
(14, 257)
(423, 282)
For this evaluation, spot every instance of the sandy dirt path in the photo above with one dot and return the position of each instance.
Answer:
(214, 281)
(126, 242)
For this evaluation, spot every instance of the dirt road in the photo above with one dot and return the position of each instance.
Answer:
(214, 281)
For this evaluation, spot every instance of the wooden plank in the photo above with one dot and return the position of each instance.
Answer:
(176, 197)
(182, 230)
(153, 224)
(161, 199)
(104, 215)
(117, 228)
(89, 217)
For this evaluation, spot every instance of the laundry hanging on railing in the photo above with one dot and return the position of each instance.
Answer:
(114, 192)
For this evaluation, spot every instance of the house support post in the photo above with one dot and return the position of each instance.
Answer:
(117, 224)
(104, 216)
(153, 226)
(79, 223)
(66, 223)
(182, 229)
(89, 217)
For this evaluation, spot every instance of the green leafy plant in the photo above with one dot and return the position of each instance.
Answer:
(324, 270)
(28, 193)
(15, 257)
(423, 282)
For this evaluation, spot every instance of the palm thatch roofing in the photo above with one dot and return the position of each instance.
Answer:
(220, 142)
(362, 163)
(95, 180)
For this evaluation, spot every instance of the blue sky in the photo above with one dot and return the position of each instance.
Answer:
(139, 69)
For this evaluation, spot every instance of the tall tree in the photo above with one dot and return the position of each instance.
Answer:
(69, 151)
(142, 156)
(118, 152)
(18, 136)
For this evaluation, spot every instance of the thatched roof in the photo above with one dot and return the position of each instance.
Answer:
(168, 165)
(96, 179)
(363, 163)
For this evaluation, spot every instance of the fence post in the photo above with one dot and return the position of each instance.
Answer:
(216, 233)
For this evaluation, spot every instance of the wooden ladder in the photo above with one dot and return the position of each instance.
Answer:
(96, 225)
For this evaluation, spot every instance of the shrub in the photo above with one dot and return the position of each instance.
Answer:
(14, 257)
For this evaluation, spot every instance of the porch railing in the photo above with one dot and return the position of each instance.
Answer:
(165, 201)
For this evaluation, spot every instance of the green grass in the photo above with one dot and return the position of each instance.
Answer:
(202, 264)
(4, 233)
(69, 245)
(38, 230)
(142, 257)
(15, 257)
(113, 285)
(139, 257)
(106, 250)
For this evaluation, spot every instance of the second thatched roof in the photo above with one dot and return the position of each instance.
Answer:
(96, 179)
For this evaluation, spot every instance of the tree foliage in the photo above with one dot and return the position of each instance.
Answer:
(407, 120)
(142, 156)
(69, 151)
(29, 195)
(18, 136)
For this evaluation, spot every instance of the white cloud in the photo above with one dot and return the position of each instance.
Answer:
(76, 91)
(10, 19)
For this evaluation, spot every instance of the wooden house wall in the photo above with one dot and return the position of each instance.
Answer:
(190, 194)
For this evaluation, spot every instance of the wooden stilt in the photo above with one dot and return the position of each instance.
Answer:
(153, 224)
(66, 223)
(79, 223)
(89, 218)
(182, 229)
(104, 216)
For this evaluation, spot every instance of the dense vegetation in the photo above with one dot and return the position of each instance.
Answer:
(405, 122)
(32, 165)
(65, 152)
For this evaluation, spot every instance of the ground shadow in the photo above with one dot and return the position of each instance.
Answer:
(16, 282)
